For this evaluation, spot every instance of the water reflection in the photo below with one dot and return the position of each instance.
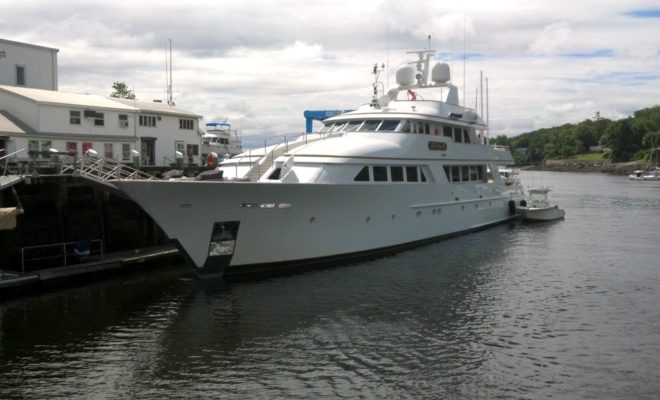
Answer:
(565, 309)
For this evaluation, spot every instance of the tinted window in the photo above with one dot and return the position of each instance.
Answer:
(411, 174)
(446, 131)
(455, 174)
(353, 126)
(370, 125)
(448, 172)
(380, 174)
(389, 125)
(465, 175)
(397, 174)
(363, 175)
(458, 135)
(421, 174)
(405, 127)
(466, 136)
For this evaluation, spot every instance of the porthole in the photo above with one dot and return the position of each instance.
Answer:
(419, 213)
(312, 219)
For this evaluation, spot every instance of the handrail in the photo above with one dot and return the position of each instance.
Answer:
(6, 159)
(62, 252)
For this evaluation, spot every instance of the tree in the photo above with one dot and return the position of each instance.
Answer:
(121, 90)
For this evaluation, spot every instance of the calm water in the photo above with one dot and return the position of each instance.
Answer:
(567, 310)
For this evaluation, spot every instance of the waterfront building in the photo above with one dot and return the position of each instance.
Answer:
(28, 65)
(37, 119)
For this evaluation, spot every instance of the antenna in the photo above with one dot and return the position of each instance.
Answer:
(487, 114)
(464, 60)
(170, 101)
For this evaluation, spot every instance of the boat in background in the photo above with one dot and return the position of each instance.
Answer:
(537, 206)
(221, 139)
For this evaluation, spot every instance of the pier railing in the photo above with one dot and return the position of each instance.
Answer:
(105, 169)
(61, 254)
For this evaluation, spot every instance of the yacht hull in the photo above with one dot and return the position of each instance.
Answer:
(232, 228)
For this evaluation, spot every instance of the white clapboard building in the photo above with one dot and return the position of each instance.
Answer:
(36, 119)
(34, 115)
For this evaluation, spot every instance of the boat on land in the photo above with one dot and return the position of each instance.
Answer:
(537, 206)
(406, 168)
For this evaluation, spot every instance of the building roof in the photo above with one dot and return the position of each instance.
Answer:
(57, 98)
(11, 125)
(28, 45)
(157, 107)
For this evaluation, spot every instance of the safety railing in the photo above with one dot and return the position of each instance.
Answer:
(4, 161)
(60, 254)
(105, 169)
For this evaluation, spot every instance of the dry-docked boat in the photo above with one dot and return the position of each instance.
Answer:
(408, 167)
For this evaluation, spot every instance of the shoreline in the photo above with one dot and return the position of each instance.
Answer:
(601, 166)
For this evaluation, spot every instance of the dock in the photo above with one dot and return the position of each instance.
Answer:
(11, 282)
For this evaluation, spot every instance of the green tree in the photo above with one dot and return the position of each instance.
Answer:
(121, 90)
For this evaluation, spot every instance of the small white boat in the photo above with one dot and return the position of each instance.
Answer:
(637, 175)
(538, 208)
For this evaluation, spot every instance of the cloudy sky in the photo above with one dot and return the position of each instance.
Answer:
(262, 63)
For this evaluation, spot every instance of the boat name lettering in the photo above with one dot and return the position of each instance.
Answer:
(438, 146)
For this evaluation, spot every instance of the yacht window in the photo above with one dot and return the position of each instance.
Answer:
(427, 129)
(325, 128)
(421, 174)
(473, 173)
(466, 136)
(458, 135)
(448, 172)
(363, 175)
(455, 174)
(353, 126)
(337, 127)
(465, 174)
(397, 174)
(480, 171)
(370, 125)
(388, 125)
(405, 127)
(447, 131)
(275, 174)
(380, 174)
(411, 174)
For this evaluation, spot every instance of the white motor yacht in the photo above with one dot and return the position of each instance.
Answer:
(408, 167)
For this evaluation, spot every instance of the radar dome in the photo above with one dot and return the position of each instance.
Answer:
(440, 73)
(405, 76)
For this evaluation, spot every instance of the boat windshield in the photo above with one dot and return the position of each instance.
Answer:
(389, 125)
(353, 126)
(370, 125)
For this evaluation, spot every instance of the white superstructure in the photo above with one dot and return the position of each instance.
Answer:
(409, 167)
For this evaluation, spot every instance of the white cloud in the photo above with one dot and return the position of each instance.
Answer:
(262, 64)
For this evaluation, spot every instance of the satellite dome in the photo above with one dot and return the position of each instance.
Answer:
(405, 76)
(440, 73)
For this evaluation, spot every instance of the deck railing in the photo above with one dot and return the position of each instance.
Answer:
(60, 254)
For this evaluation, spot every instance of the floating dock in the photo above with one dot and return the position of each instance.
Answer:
(11, 283)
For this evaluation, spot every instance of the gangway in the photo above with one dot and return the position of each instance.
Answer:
(8, 179)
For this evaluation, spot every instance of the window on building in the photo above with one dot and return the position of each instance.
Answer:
(363, 175)
(20, 75)
(86, 146)
(411, 174)
(186, 124)
(108, 150)
(74, 117)
(71, 147)
(123, 120)
(99, 119)
(125, 151)
(397, 174)
(147, 120)
(380, 174)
